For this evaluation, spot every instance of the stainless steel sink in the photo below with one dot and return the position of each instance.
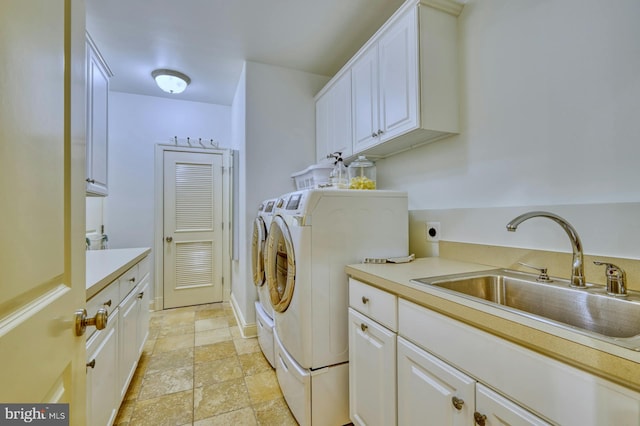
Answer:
(588, 311)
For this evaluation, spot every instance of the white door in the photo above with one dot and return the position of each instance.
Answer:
(365, 100)
(372, 373)
(431, 391)
(42, 167)
(192, 228)
(399, 89)
(495, 410)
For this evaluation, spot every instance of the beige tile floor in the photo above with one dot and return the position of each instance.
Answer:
(196, 369)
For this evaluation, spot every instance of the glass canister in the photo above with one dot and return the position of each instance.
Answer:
(362, 174)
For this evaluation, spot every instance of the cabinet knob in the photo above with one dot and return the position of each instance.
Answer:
(169, 239)
(364, 327)
(374, 135)
(365, 300)
(132, 280)
(141, 295)
(107, 303)
(480, 419)
(457, 403)
(90, 180)
(92, 364)
(380, 131)
(99, 321)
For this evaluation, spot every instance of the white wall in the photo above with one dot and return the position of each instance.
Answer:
(278, 126)
(136, 124)
(550, 116)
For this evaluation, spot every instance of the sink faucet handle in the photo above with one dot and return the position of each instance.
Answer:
(616, 279)
(543, 277)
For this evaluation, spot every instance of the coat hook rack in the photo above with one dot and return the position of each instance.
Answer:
(212, 144)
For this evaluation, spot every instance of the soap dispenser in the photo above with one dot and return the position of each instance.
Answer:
(339, 177)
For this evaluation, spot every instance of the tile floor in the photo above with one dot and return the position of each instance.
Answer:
(196, 369)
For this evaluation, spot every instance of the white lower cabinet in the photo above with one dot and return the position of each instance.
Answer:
(102, 357)
(113, 353)
(128, 335)
(372, 385)
(446, 372)
(431, 391)
(516, 385)
(494, 409)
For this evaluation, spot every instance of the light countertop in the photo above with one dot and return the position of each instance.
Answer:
(104, 266)
(604, 359)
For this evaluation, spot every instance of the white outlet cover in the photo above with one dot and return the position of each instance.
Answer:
(433, 231)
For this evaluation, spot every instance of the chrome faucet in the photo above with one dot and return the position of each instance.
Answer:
(577, 266)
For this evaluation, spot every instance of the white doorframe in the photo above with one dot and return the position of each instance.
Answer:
(158, 244)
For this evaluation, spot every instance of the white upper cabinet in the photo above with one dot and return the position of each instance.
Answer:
(385, 86)
(333, 120)
(98, 75)
(404, 81)
(365, 99)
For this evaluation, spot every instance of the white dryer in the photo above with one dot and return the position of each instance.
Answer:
(311, 239)
(264, 310)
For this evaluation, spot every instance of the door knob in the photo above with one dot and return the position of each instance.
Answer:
(169, 239)
(99, 321)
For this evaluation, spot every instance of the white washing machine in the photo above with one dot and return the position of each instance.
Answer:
(264, 310)
(313, 235)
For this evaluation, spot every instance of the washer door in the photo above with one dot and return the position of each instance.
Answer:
(257, 250)
(280, 264)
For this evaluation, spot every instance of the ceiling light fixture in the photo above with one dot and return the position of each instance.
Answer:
(171, 81)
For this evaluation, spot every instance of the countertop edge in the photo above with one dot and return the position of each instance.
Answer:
(136, 255)
(609, 366)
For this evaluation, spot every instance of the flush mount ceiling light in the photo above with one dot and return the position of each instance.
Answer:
(171, 81)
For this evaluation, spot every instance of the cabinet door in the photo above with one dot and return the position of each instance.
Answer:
(399, 86)
(431, 391)
(97, 122)
(498, 410)
(102, 362)
(333, 120)
(323, 127)
(128, 341)
(341, 135)
(372, 380)
(143, 298)
(365, 99)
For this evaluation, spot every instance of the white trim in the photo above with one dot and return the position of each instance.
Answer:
(246, 330)
(158, 245)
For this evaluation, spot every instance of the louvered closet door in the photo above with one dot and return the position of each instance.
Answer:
(192, 228)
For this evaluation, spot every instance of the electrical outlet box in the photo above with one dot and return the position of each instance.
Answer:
(433, 231)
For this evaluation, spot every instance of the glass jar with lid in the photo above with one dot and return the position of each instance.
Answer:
(362, 174)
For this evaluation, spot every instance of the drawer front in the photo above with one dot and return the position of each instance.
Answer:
(128, 281)
(144, 267)
(374, 303)
(108, 298)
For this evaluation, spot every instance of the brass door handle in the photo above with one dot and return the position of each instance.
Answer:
(480, 419)
(169, 239)
(364, 327)
(81, 321)
(365, 300)
(457, 403)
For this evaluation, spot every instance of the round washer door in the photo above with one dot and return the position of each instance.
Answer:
(280, 264)
(257, 250)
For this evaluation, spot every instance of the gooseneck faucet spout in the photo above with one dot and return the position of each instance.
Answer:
(577, 267)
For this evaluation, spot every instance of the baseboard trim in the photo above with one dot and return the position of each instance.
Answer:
(246, 330)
